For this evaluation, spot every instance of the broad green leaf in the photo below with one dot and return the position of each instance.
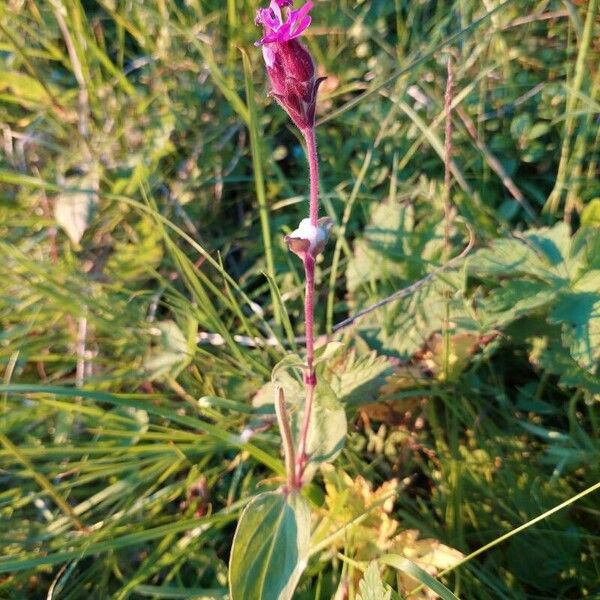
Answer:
(376, 256)
(579, 315)
(371, 587)
(516, 298)
(552, 357)
(406, 566)
(171, 353)
(357, 379)
(328, 425)
(552, 244)
(270, 547)
(327, 429)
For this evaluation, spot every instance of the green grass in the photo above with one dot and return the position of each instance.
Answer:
(146, 184)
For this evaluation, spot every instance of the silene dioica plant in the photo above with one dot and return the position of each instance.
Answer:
(272, 542)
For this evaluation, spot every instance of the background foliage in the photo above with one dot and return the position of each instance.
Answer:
(146, 185)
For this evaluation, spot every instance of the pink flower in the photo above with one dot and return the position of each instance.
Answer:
(289, 64)
(276, 28)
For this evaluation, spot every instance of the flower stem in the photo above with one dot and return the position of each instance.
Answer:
(310, 377)
(313, 167)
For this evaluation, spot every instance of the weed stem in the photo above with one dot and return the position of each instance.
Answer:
(310, 378)
(313, 167)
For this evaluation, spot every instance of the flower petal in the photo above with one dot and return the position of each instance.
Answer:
(299, 28)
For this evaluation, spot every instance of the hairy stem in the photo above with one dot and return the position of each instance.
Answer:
(310, 378)
(448, 159)
(313, 167)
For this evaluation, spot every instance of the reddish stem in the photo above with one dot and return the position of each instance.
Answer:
(310, 377)
(313, 167)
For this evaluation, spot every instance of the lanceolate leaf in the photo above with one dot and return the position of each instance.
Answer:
(270, 547)
(406, 566)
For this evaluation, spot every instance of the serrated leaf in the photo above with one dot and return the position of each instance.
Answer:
(516, 298)
(171, 353)
(558, 361)
(371, 587)
(327, 429)
(375, 257)
(540, 253)
(349, 500)
(579, 315)
(357, 379)
(553, 243)
(328, 425)
(270, 547)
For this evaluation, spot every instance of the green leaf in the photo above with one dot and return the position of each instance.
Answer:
(173, 593)
(516, 298)
(328, 425)
(579, 314)
(172, 352)
(408, 567)
(327, 429)
(24, 89)
(270, 547)
(371, 587)
(590, 216)
(376, 256)
(357, 379)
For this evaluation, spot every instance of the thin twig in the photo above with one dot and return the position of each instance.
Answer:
(447, 203)
(83, 97)
(496, 165)
(557, 14)
(448, 157)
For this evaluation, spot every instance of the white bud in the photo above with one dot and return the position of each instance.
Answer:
(315, 235)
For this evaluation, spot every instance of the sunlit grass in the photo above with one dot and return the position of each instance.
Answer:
(137, 327)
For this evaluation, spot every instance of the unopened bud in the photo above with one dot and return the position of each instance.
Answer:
(309, 239)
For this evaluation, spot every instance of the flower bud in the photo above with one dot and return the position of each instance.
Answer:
(289, 64)
(309, 239)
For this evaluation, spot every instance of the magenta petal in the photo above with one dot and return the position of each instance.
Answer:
(276, 10)
(299, 14)
(269, 38)
(264, 17)
(300, 28)
(278, 30)
(284, 32)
